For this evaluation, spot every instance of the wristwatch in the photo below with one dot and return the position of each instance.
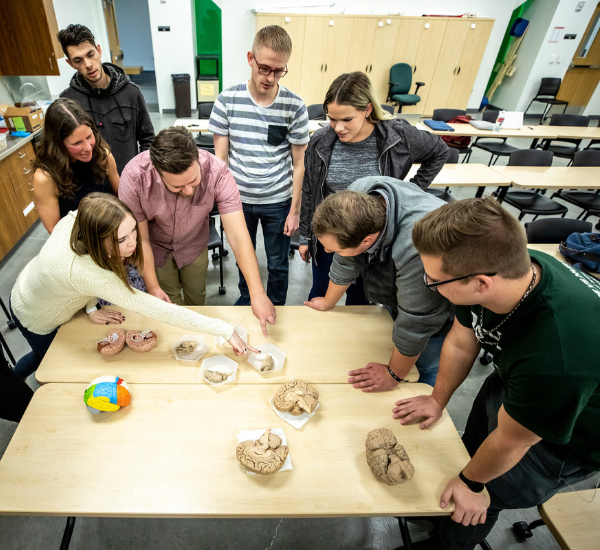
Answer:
(474, 486)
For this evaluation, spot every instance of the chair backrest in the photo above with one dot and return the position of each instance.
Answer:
(554, 230)
(388, 108)
(490, 116)
(453, 157)
(316, 112)
(569, 120)
(531, 157)
(205, 109)
(587, 157)
(447, 114)
(549, 87)
(401, 78)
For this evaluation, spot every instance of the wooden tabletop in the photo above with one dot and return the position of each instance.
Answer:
(320, 346)
(201, 124)
(575, 132)
(527, 132)
(553, 250)
(551, 177)
(171, 453)
(574, 522)
(464, 175)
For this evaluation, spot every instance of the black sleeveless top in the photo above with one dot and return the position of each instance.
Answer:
(83, 178)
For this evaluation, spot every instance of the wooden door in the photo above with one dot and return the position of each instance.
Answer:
(468, 66)
(339, 37)
(361, 45)
(588, 51)
(295, 25)
(313, 58)
(447, 64)
(116, 53)
(432, 36)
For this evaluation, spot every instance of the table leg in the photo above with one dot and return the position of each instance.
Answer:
(66, 540)
(502, 193)
(479, 193)
(405, 534)
(534, 143)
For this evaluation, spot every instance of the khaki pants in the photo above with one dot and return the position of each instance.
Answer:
(190, 278)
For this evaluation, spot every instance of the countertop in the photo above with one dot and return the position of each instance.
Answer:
(13, 143)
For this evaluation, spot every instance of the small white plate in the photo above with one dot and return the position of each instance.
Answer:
(295, 421)
(243, 333)
(219, 363)
(276, 353)
(201, 347)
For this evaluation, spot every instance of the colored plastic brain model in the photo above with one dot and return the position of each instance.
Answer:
(387, 459)
(296, 397)
(106, 393)
(113, 343)
(264, 456)
(141, 341)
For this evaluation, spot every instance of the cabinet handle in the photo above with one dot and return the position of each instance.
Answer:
(321, 67)
(458, 71)
(367, 69)
(25, 173)
(325, 67)
(51, 67)
(370, 68)
(22, 156)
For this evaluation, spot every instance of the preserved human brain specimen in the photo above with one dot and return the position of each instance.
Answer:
(141, 341)
(296, 397)
(264, 456)
(185, 348)
(264, 361)
(216, 376)
(113, 343)
(386, 458)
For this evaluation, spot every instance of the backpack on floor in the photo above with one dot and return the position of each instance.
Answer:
(583, 248)
(458, 141)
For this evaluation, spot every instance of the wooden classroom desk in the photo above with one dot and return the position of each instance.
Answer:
(575, 132)
(465, 175)
(321, 347)
(551, 177)
(526, 132)
(553, 250)
(574, 522)
(171, 453)
(201, 124)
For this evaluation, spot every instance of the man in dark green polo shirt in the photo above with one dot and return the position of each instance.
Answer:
(535, 425)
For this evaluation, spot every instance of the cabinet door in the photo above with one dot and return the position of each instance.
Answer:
(295, 26)
(432, 36)
(468, 66)
(313, 58)
(447, 65)
(339, 36)
(361, 45)
(12, 221)
(407, 40)
(266, 20)
(382, 57)
(19, 157)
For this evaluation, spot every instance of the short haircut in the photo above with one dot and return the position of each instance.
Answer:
(349, 217)
(273, 37)
(474, 236)
(74, 35)
(173, 150)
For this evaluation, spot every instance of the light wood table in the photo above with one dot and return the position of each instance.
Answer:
(321, 347)
(551, 177)
(574, 523)
(526, 132)
(465, 175)
(553, 250)
(171, 453)
(575, 132)
(201, 124)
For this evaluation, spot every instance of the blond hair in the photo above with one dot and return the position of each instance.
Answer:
(355, 89)
(273, 37)
(474, 236)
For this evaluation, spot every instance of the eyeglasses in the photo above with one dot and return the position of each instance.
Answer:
(433, 286)
(266, 70)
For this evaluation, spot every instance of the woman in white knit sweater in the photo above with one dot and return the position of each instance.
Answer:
(85, 257)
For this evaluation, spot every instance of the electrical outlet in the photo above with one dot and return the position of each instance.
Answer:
(559, 58)
(579, 6)
(553, 58)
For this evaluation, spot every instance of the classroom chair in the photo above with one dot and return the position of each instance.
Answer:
(554, 230)
(445, 194)
(205, 140)
(497, 146)
(389, 108)
(399, 86)
(547, 94)
(215, 243)
(316, 112)
(448, 114)
(594, 141)
(564, 151)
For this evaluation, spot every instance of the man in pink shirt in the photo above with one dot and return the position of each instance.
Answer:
(171, 189)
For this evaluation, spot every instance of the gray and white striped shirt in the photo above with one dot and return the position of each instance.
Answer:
(260, 140)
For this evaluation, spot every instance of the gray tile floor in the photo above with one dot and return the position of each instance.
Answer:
(22, 532)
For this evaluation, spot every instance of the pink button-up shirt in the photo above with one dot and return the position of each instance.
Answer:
(178, 226)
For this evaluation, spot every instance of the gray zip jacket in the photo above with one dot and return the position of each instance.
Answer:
(393, 271)
(399, 145)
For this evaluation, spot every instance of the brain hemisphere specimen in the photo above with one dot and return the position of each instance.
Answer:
(113, 343)
(264, 456)
(141, 341)
(387, 459)
(296, 397)
(216, 376)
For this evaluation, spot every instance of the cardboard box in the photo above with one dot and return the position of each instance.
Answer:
(23, 119)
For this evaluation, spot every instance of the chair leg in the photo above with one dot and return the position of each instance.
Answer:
(546, 110)
(528, 108)
(11, 322)
(4, 345)
(565, 109)
(570, 162)
(521, 216)
(534, 218)
(222, 289)
(564, 215)
(497, 157)
(580, 215)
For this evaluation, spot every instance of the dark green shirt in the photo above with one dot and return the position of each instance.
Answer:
(548, 357)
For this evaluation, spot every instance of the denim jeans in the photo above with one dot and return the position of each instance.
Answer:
(532, 481)
(39, 344)
(355, 295)
(277, 246)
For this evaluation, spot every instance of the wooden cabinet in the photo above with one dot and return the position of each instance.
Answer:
(12, 221)
(295, 27)
(28, 43)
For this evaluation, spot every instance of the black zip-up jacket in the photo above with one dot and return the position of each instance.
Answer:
(399, 145)
(119, 111)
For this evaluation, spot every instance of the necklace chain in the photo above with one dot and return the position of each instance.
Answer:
(527, 292)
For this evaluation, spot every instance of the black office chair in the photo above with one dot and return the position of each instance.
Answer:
(205, 140)
(554, 230)
(564, 151)
(216, 243)
(547, 94)
(445, 194)
(448, 114)
(316, 112)
(294, 243)
(594, 142)
(497, 146)
(399, 86)
(389, 108)
(588, 201)
(533, 202)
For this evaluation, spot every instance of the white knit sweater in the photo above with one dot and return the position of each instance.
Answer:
(57, 283)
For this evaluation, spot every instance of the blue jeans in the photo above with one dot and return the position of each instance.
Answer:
(277, 246)
(355, 295)
(39, 344)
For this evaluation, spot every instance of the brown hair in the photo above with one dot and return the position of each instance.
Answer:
(173, 150)
(355, 89)
(95, 233)
(63, 117)
(273, 37)
(74, 35)
(349, 217)
(474, 236)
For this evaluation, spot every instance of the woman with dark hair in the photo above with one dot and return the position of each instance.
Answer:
(362, 140)
(86, 256)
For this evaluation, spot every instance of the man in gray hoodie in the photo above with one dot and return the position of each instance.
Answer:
(369, 226)
(105, 92)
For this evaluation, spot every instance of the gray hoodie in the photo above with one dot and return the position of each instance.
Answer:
(392, 269)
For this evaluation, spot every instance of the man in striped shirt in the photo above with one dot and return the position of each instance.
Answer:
(261, 129)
